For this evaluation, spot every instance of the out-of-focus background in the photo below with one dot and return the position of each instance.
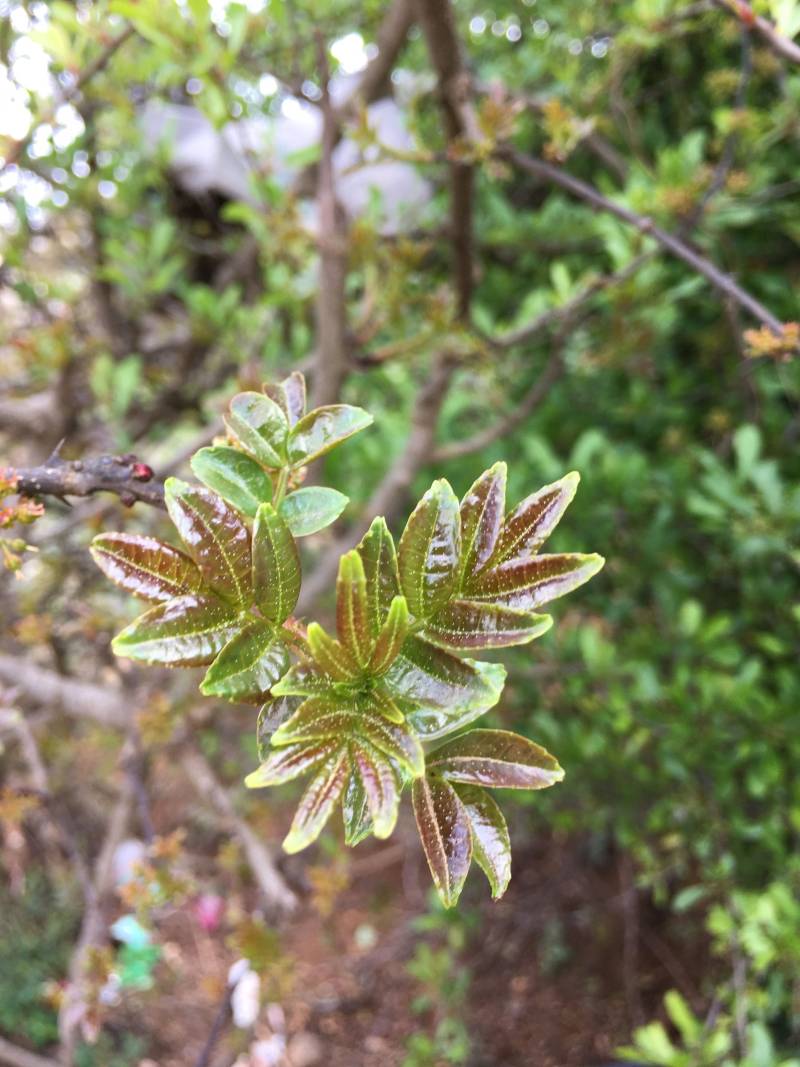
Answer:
(557, 233)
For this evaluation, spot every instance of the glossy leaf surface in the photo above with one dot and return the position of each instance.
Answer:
(276, 565)
(148, 568)
(355, 811)
(391, 637)
(429, 551)
(379, 786)
(215, 537)
(444, 831)
(491, 845)
(529, 583)
(236, 477)
(352, 623)
(470, 624)
(495, 758)
(332, 657)
(531, 522)
(482, 511)
(306, 511)
(260, 427)
(187, 631)
(290, 396)
(249, 665)
(317, 803)
(284, 764)
(322, 429)
(274, 712)
(379, 556)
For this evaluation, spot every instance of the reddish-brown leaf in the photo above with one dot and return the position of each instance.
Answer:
(445, 835)
(148, 568)
(496, 758)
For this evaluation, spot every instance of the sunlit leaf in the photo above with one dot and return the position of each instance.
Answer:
(148, 568)
(188, 631)
(311, 509)
(249, 665)
(355, 811)
(382, 703)
(532, 521)
(317, 717)
(290, 396)
(303, 679)
(379, 557)
(322, 429)
(284, 764)
(260, 426)
(482, 511)
(234, 476)
(444, 690)
(274, 712)
(396, 740)
(471, 624)
(445, 835)
(379, 784)
(491, 846)
(318, 802)
(276, 565)
(391, 637)
(428, 556)
(529, 583)
(215, 537)
(496, 758)
(352, 624)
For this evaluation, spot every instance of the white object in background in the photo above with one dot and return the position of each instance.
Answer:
(245, 995)
(128, 855)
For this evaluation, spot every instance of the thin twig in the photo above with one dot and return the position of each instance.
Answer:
(779, 44)
(125, 476)
(14, 1056)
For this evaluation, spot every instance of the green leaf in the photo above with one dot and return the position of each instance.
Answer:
(352, 624)
(496, 758)
(529, 583)
(355, 811)
(276, 565)
(284, 764)
(290, 396)
(385, 706)
(303, 679)
(148, 568)
(475, 625)
(215, 537)
(330, 655)
(187, 631)
(323, 429)
(379, 557)
(395, 740)
(482, 511)
(318, 802)
(532, 521)
(234, 476)
(445, 835)
(317, 717)
(491, 846)
(444, 691)
(271, 715)
(260, 426)
(248, 666)
(429, 551)
(311, 509)
(379, 784)
(391, 637)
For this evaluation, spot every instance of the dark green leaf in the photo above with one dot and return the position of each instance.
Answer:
(276, 565)
(318, 802)
(311, 509)
(352, 624)
(496, 758)
(249, 665)
(322, 429)
(148, 568)
(379, 784)
(444, 691)
(215, 537)
(476, 625)
(290, 396)
(260, 426)
(482, 511)
(532, 521)
(284, 764)
(188, 631)
(234, 476)
(331, 656)
(491, 846)
(529, 583)
(445, 835)
(428, 556)
(391, 637)
(379, 557)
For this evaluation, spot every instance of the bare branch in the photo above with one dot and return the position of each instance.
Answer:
(724, 283)
(131, 480)
(277, 894)
(782, 46)
(390, 39)
(77, 699)
(14, 1056)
